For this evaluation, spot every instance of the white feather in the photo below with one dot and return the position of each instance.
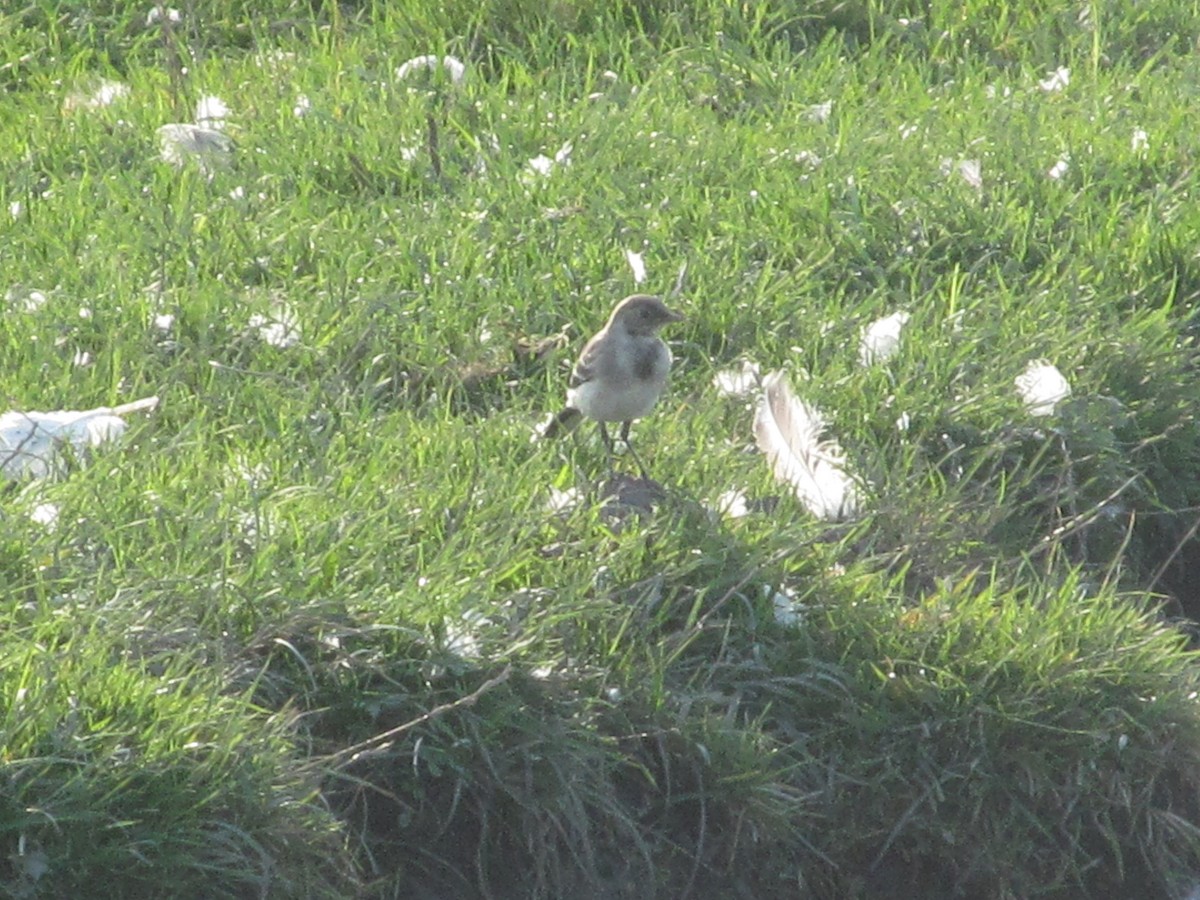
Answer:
(211, 112)
(739, 381)
(638, 264)
(1042, 387)
(30, 441)
(732, 503)
(180, 143)
(1056, 80)
(453, 67)
(881, 339)
(788, 432)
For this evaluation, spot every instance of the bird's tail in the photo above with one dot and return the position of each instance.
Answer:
(559, 424)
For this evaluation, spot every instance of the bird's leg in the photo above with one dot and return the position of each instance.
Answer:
(610, 456)
(608, 443)
(625, 438)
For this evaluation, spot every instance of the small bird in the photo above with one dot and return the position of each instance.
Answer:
(621, 372)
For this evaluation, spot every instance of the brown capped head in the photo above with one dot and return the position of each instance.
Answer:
(643, 314)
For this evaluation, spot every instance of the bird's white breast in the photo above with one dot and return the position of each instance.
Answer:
(622, 392)
(598, 401)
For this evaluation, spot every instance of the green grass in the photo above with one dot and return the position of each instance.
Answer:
(312, 628)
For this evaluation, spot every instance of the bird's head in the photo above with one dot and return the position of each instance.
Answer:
(643, 314)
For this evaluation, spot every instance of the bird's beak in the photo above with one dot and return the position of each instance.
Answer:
(674, 316)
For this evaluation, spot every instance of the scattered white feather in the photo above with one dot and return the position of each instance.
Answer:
(106, 93)
(181, 143)
(25, 299)
(250, 523)
(410, 151)
(453, 67)
(739, 381)
(819, 112)
(543, 165)
(159, 13)
(1139, 142)
(1060, 168)
(788, 432)
(255, 475)
(969, 170)
(732, 503)
(211, 112)
(273, 60)
(16, 209)
(484, 143)
(30, 441)
(1056, 81)
(46, 515)
(164, 321)
(1042, 387)
(302, 107)
(881, 339)
(637, 264)
(280, 329)
(462, 636)
(462, 643)
(203, 143)
(562, 501)
(786, 610)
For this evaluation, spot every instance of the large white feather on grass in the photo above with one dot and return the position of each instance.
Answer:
(788, 431)
(30, 441)
(203, 143)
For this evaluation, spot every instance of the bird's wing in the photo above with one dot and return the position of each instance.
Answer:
(589, 360)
